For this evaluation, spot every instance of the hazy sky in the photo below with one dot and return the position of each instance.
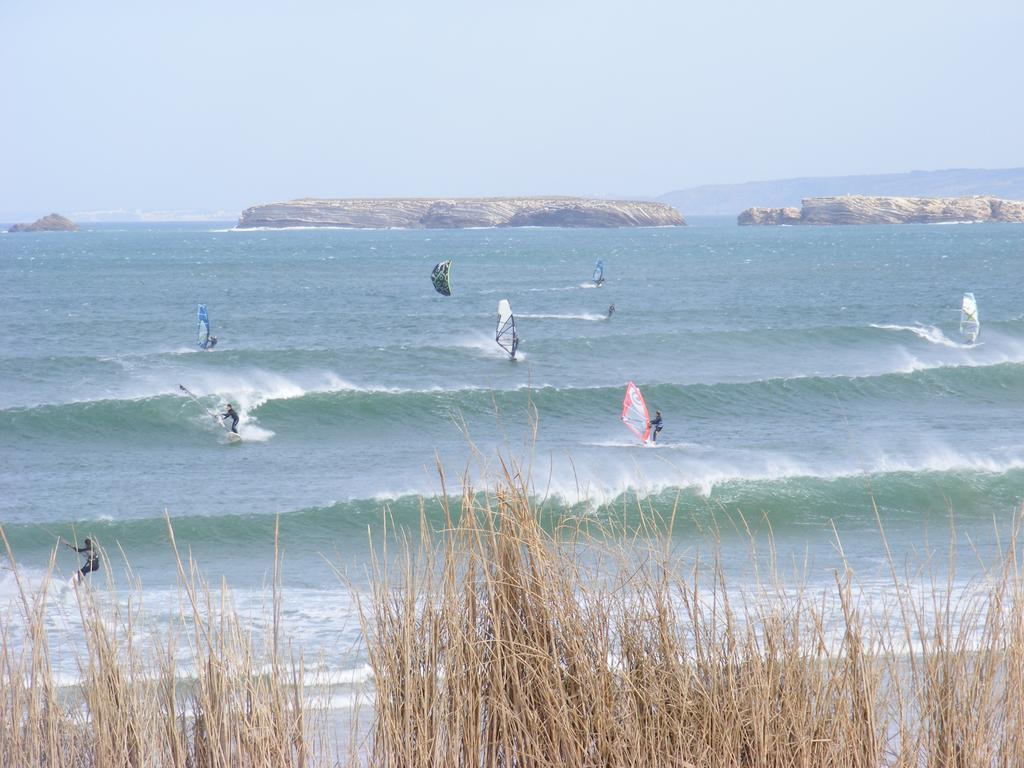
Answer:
(221, 104)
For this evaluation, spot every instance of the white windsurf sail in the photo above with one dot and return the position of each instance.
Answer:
(505, 333)
(634, 412)
(970, 326)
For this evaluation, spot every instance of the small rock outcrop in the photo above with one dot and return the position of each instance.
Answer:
(769, 216)
(458, 213)
(52, 223)
(859, 209)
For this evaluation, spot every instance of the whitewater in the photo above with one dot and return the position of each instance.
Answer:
(804, 375)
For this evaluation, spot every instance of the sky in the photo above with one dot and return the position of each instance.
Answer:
(216, 106)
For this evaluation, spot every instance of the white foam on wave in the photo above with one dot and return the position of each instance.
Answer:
(335, 677)
(584, 316)
(129, 360)
(929, 333)
(485, 346)
(250, 390)
(638, 444)
(257, 386)
(942, 458)
(341, 701)
(307, 228)
(597, 478)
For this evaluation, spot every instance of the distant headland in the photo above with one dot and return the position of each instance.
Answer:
(459, 213)
(727, 199)
(860, 209)
(52, 223)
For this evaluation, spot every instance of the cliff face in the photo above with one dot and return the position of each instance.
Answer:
(417, 213)
(858, 209)
(51, 223)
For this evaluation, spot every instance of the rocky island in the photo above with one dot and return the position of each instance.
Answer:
(859, 209)
(52, 223)
(456, 213)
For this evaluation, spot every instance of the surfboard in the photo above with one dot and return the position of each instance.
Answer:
(234, 437)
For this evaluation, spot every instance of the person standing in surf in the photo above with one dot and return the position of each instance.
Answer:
(611, 310)
(655, 425)
(92, 559)
(230, 414)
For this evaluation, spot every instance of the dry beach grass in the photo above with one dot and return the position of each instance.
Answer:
(242, 708)
(500, 640)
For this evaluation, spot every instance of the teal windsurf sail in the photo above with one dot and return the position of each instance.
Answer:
(441, 277)
(599, 272)
(202, 327)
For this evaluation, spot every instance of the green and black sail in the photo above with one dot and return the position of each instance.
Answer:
(441, 276)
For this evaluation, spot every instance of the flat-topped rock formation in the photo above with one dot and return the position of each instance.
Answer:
(456, 213)
(52, 223)
(859, 209)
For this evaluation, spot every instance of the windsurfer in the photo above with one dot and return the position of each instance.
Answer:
(92, 559)
(515, 344)
(611, 310)
(230, 414)
(211, 343)
(655, 425)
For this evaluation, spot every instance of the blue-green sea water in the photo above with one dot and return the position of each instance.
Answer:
(801, 372)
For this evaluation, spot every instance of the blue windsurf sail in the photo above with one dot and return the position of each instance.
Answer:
(202, 327)
(599, 272)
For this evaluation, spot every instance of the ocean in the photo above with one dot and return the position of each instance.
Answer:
(806, 376)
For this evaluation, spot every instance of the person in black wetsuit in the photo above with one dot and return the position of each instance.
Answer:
(515, 344)
(230, 414)
(656, 425)
(92, 560)
(211, 343)
(611, 310)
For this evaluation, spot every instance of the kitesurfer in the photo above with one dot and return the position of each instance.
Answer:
(656, 425)
(92, 559)
(611, 310)
(230, 414)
